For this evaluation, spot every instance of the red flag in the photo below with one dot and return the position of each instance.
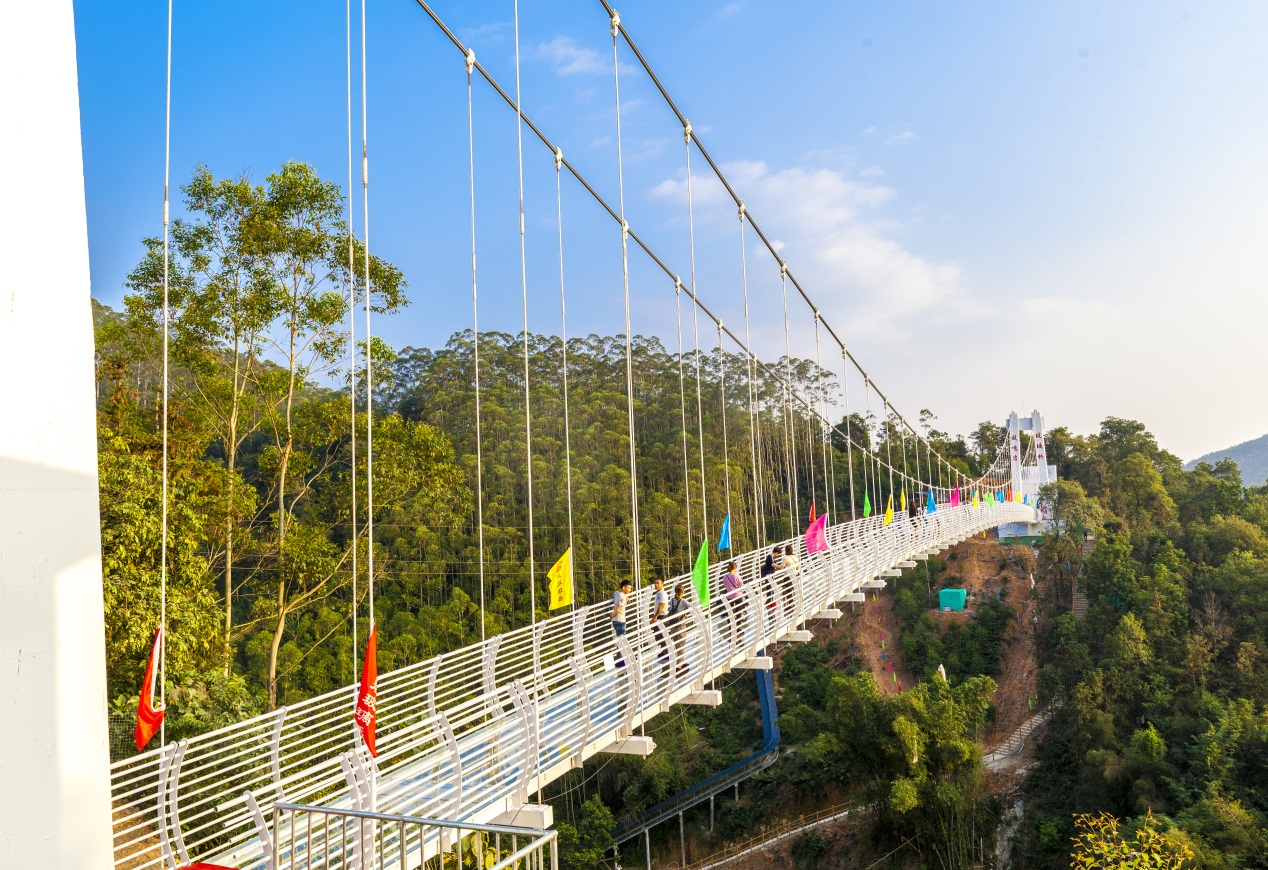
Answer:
(812, 510)
(149, 717)
(368, 694)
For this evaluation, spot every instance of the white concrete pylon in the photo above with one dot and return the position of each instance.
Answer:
(54, 746)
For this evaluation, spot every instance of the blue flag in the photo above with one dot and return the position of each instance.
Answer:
(724, 536)
(930, 505)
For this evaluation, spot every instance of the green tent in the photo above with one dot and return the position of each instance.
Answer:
(951, 599)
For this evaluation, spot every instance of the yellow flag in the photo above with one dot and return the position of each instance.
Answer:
(889, 511)
(902, 500)
(561, 581)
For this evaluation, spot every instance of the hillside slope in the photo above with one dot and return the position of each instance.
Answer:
(1251, 457)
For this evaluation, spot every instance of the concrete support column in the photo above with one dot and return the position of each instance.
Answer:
(54, 750)
(682, 841)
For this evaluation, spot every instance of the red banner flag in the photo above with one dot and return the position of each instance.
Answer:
(368, 694)
(148, 716)
(812, 510)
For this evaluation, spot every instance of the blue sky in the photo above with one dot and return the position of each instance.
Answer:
(999, 206)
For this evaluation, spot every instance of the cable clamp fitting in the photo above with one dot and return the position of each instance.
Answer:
(559, 159)
(625, 229)
(686, 132)
(783, 269)
(616, 23)
(816, 314)
(743, 210)
(470, 60)
(677, 285)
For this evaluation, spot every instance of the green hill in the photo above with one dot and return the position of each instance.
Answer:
(1251, 457)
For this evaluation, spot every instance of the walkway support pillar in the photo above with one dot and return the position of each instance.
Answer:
(54, 758)
(647, 844)
(682, 841)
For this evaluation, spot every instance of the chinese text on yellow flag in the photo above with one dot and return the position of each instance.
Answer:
(561, 581)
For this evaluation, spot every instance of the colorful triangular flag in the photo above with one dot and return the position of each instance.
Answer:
(902, 501)
(889, 510)
(816, 536)
(931, 505)
(867, 506)
(561, 581)
(976, 503)
(368, 694)
(149, 715)
(724, 536)
(812, 510)
(700, 574)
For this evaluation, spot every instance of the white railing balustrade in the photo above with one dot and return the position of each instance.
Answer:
(324, 838)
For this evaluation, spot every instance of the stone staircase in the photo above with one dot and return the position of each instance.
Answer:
(1078, 602)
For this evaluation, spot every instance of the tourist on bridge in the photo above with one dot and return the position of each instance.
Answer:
(660, 600)
(791, 564)
(732, 585)
(678, 612)
(620, 599)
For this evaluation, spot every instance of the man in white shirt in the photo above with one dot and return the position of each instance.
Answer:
(620, 599)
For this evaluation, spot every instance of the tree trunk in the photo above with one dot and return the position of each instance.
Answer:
(277, 643)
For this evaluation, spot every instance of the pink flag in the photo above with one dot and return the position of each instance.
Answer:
(816, 537)
(955, 497)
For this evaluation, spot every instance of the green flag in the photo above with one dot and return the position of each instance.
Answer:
(867, 506)
(700, 574)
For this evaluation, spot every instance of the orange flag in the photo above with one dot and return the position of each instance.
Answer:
(148, 716)
(812, 510)
(368, 694)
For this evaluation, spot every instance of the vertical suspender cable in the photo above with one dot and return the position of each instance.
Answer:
(889, 456)
(563, 359)
(475, 344)
(849, 437)
(167, 178)
(352, 343)
(752, 388)
(528, 412)
(823, 442)
(695, 323)
(625, 279)
(790, 447)
(682, 405)
(369, 353)
(726, 453)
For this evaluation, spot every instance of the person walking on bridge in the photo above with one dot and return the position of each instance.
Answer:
(677, 613)
(620, 601)
(732, 585)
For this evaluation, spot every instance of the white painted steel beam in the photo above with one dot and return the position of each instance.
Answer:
(706, 698)
(55, 806)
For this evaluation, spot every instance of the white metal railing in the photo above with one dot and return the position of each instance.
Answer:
(324, 838)
(467, 735)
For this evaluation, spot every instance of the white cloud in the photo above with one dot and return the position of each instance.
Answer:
(567, 58)
(834, 234)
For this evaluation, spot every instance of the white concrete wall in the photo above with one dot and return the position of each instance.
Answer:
(54, 757)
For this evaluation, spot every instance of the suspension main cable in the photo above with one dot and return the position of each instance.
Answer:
(528, 411)
(616, 212)
(475, 342)
(770, 245)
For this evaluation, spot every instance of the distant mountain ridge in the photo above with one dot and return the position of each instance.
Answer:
(1251, 457)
